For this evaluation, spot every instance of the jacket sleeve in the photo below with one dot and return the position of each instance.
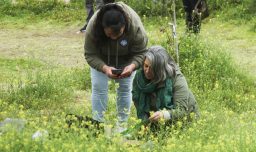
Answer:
(138, 47)
(91, 53)
(181, 95)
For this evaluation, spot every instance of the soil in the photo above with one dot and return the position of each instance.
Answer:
(60, 47)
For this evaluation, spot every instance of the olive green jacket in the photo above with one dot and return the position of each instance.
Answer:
(129, 48)
(183, 99)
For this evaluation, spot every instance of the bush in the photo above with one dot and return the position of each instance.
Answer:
(214, 76)
(52, 9)
(58, 11)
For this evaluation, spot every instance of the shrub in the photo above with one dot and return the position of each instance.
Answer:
(214, 76)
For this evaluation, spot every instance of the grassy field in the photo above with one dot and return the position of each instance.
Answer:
(237, 39)
(44, 76)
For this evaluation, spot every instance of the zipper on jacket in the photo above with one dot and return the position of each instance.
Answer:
(117, 54)
(108, 55)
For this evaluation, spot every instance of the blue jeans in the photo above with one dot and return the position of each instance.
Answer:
(100, 96)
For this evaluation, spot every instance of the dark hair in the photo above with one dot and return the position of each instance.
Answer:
(110, 15)
(113, 19)
(108, 1)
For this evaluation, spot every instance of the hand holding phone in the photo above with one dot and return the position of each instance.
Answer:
(117, 71)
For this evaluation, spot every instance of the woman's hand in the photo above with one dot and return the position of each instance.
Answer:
(127, 71)
(108, 71)
(156, 116)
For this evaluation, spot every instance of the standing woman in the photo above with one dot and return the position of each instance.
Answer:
(115, 39)
(160, 91)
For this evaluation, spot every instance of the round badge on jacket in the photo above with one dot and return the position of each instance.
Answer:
(123, 42)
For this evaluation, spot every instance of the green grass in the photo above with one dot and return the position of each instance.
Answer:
(236, 39)
(14, 65)
(11, 67)
(44, 77)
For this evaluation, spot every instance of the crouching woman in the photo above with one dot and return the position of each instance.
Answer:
(160, 91)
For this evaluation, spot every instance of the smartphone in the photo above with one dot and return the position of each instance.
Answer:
(117, 71)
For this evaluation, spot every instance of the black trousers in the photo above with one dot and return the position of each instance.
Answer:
(189, 5)
(89, 7)
(193, 22)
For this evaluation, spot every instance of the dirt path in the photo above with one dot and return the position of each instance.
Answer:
(52, 46)
(238, 40)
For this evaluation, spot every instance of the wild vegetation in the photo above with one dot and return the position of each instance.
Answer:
(44, 77)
